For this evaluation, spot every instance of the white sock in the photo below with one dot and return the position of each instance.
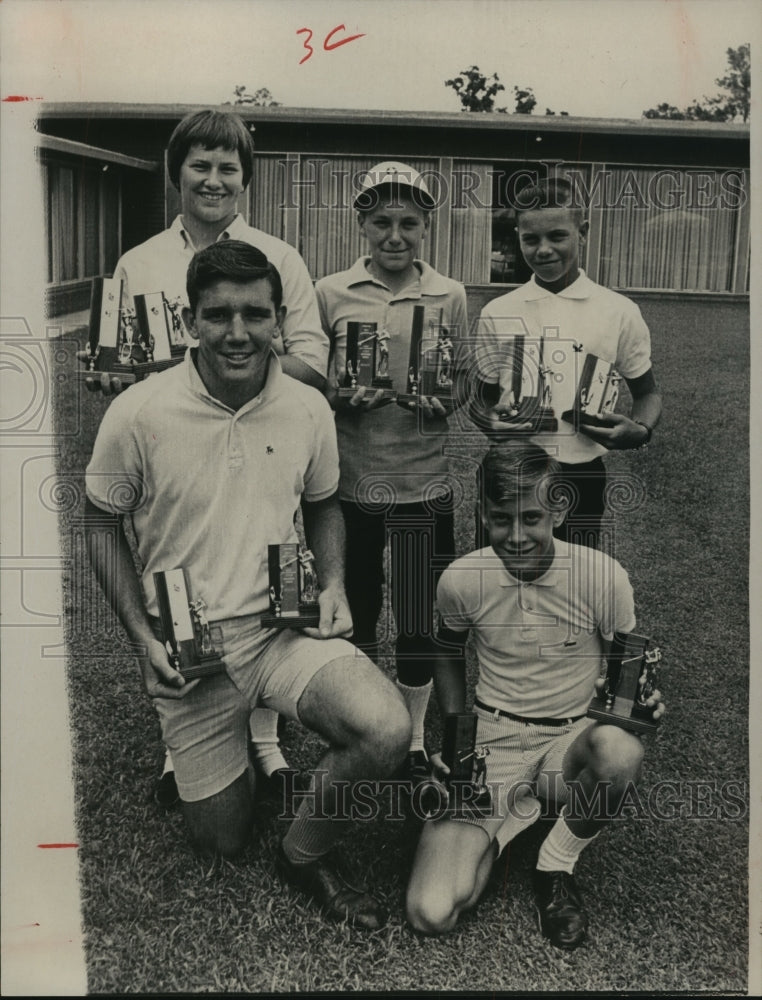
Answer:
(561, 848)
(417, 701)
(168, 765)
(263, 725)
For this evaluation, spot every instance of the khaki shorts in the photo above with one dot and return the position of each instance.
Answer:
(524, 759)
(207, 731)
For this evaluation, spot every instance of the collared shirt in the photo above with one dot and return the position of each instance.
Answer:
(209, 488)
(583, 319)
(385, 452)
(539, 644)
(161, 264)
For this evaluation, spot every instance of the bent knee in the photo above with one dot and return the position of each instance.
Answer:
(616, 752)
(387, 735)
(430, 913)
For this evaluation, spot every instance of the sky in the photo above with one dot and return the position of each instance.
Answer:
(598, 58)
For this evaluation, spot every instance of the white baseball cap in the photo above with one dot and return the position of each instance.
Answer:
(395, 173)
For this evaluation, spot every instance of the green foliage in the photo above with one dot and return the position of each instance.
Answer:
(732, 105)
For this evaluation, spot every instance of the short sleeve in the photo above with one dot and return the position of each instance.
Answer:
(303, 335)
(114, 478)
(459, 321)
(492, 332)
(618, 614)
(450, 604)
(633, 357)
(321, 479)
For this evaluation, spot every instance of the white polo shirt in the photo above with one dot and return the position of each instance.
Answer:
(161, 264)
(539, 644)
(209, 488)
(584, 318)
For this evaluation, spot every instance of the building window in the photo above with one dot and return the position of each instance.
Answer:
(671, 229)
(82, 219)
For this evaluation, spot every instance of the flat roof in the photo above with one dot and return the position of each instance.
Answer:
(490, 120)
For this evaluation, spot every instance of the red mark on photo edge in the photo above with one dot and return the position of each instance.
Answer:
(328, 45)
(20, 97)
(46, 846)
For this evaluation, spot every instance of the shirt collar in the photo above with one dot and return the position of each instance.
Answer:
(582, 288)
(196, 384)
(548, 579)
(233, 231)
(430, 282)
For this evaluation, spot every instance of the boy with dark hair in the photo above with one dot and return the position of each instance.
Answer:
(542, 612)
(262, 444)
(210, 162)
(395, 478)
(572, 317)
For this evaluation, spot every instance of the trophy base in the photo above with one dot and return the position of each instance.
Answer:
(468, 799)
(127, 374)
(578, 417)
(308, 616)
(539, 418)
(369, 391)
(634, 723)
(205, 667)
(145, 368)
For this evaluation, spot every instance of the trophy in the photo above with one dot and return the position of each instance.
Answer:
(431, 362)
(111, 335)
(293, 588)
(188, 636)
(466, 781)
(367, 360)
(159, 333)
(529, 397)
(597, 392)
(630, 681)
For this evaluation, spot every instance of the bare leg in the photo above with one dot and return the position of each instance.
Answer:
(450, 871)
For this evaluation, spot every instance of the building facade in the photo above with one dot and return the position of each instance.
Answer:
(668, 202)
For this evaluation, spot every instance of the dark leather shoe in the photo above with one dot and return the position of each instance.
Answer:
(559, 907)
(165, 794)
(338, 899)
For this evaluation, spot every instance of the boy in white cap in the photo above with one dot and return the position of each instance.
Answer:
(395, 479)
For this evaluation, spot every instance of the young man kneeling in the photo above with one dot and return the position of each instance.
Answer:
(543, 612)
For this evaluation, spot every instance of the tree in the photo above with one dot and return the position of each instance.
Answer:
(261, 98)
(477, 93)
(729, 106)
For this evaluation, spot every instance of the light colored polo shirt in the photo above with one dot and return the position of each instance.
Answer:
(584, 318)
(384, 452)
(539, 644)
(209, 488)
(161, 264)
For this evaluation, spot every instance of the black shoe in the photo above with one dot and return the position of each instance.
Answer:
(559, 907)
(337, 898)
(165, 794)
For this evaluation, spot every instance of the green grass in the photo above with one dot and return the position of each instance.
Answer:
(667, 898)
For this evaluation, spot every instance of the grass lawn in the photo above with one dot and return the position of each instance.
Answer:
(666, 890)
